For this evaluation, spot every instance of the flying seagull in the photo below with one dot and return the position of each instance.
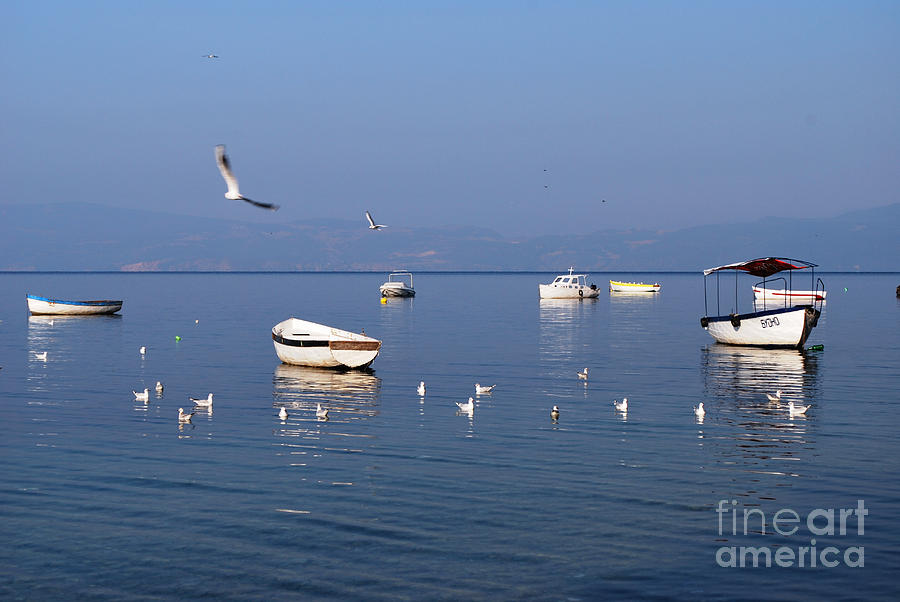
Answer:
(234, 192)
(372, 224)
(210, 56)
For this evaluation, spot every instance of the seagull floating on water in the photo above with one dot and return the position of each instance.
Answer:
(796, 410)
(479, 390)
(776, 397)
(206, 403)
(621, 406)
(143, 350)
(182, 417)
(421, 388)
(42, 356)
(233, 193)
(372, 224)
(283, 413)
(554, 413)
(145, 396)
(469, 406)
(583, 374)
(159, 387)
(699, 411)
(321, 412)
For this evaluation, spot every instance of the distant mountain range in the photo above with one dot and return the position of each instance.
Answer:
(85, 237)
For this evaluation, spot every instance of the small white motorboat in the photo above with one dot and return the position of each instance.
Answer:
(569, 286)
(62, 307)
(303, 343)
(784, 326)
(633, 287)
(397, 286)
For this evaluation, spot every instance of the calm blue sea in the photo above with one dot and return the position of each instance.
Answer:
(398, 497)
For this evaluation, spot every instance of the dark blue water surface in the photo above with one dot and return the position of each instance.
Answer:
(399, 497)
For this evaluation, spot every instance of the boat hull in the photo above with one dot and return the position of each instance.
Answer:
(785, 327)
(397, 291)
(632, 287)
(788, 296)
(61, 307)
(548, 291)
(303, 343)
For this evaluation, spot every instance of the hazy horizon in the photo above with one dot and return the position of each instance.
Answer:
(526, 119)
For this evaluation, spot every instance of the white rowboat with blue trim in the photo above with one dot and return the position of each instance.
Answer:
(63, 307)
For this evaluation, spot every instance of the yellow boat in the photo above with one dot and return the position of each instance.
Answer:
(633, 287)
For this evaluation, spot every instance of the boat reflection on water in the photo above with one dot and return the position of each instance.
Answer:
(567, 327)
(349, 396)
(753, 434)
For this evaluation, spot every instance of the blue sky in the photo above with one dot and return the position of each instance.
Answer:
(434, 113)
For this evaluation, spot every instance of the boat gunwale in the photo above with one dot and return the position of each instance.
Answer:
(95, 302)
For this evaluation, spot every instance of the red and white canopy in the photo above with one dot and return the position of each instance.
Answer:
(764, 267)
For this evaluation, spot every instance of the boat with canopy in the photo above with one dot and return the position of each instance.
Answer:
(768, 323)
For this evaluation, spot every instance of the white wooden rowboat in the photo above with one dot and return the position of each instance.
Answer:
(633, 287)
(62, 307)
(788, 325)
(303, 343)
(569, 286)
(788, 296)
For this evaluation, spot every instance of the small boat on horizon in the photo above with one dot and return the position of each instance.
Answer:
(303, 343)
(569, 286)
(63, 307)
(396, 285)
(787, 326)
(633, 287)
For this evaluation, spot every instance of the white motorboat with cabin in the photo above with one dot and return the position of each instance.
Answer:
(303, 343)
(64, 307)
(779, 323)
(399, 284)
(569, 286)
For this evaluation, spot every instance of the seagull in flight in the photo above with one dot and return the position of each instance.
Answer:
(372, 224)
(210, 56)
(234, 192)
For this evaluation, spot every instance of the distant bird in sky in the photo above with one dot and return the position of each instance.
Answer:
(321, 412)
(145, 396)
(554, 413)
(372, 224)
(621, 406)
(182, 417)
(210, 56)
(796, 410)
(776, 397)
(42, 356)
(206, 403)
(234, 192)
(421, 388)
(699, 411)
(583, 374)
(283, 413)
(479, 390)
(469, 406)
